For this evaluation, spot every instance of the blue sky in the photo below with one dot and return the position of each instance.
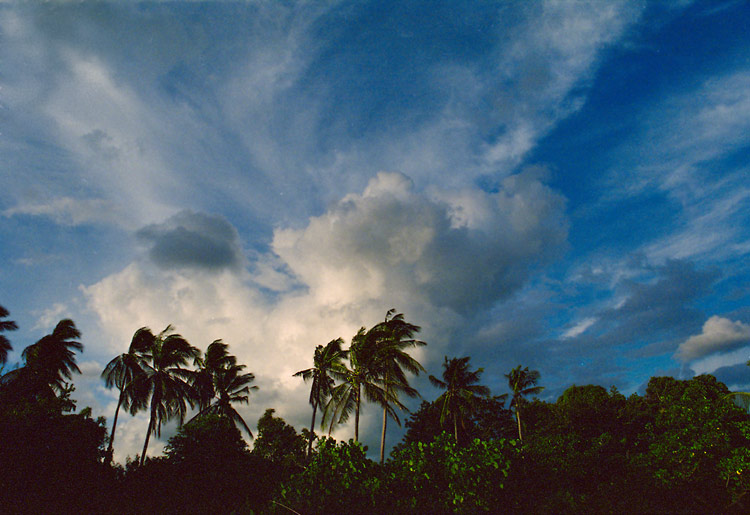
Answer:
(563, 185)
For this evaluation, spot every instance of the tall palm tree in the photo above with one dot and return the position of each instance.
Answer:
(220, 382)
(326, 361)
(522, 383)
(126, 372)
(51, 360)
(358, 380)
(394, 337)
(5, 325)
(165, 381)
(461, 390)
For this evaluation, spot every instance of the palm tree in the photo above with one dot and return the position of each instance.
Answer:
(51, 360)
(165, 381)
(361, 377)
(521, 382)
(326, 361)
(220, 382)
(5, 325)
(394, 336)
(461, 390)
(126, 371)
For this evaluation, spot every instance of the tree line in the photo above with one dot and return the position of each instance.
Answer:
(681, 447)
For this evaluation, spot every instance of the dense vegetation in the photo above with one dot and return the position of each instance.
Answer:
(682, 447)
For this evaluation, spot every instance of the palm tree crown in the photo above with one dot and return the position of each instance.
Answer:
(522, 383)
(52, 360)
(220, 382)
(5, 325)
(461, 389)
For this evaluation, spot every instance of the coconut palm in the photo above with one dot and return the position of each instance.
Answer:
(220, 382)
(461, 390)
(394, 336)
(51, 360)
(216, 358)
(522, 383)
(359, 379)
(326, 361)
(165, 382)
(126, 373)
(5, 325)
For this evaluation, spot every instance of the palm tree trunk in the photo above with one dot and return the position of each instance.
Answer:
(356, 417)
(108, 456)
(312, 428)
(518, 418)
(455, 427)
(382, 435)
(150, 429)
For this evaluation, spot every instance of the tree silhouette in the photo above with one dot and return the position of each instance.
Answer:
(393, 337)
(461, 389)
(51, 360)
(5, 325)
(220, 382)
(360, 378)
(326, 361)
(126, 372)
(165, 381)
(522, 383)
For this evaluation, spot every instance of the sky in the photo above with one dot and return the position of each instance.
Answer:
(563, 185)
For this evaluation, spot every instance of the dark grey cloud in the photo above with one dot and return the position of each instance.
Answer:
(651, 310)
(734, 375)
(193, 240)
(657, 314)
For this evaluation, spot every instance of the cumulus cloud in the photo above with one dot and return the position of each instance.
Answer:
(718, 335)
(459, 250)
(190, 239)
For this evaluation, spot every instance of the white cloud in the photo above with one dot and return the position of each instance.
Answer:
(579, 328)
(456, 250)
(553, 52)
(719, 335)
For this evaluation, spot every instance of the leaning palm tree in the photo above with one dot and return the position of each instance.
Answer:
(51, 360)
(126, 373)
(393, 337)
(359, 380)
(461, 390)
(220, 382)
(522, 383)
(326, 361)
(5, 325)
(165, 380)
